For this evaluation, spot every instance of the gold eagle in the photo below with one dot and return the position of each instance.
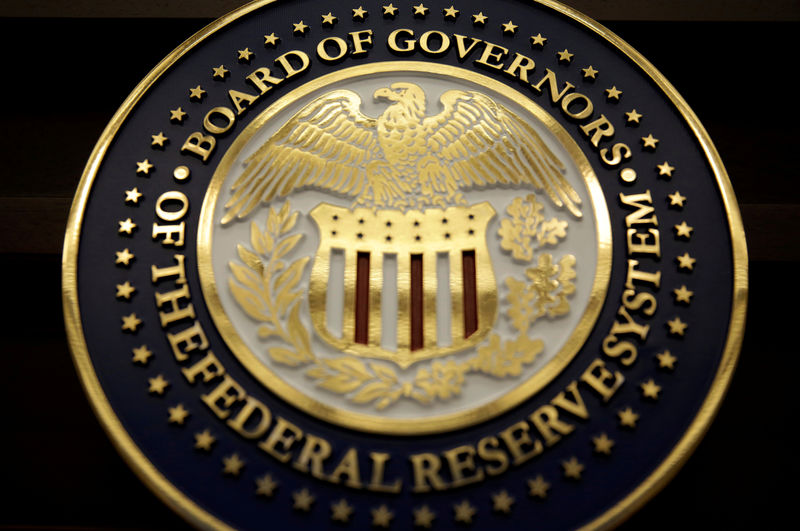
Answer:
(403, 158)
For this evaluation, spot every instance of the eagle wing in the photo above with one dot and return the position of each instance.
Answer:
(325, 145)
(486, 144)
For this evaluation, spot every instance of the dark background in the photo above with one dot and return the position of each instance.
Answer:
(66, 68)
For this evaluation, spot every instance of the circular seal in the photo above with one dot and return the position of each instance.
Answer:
(405, 266)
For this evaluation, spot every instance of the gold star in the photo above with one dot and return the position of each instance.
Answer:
(464, 512)
(650, 389)
(299, 28)
(633, 117)
(509, 27)
(341, 511)
(677, 327)
(572, 468)
(220, 72)
(627, 417)
(666, 360)
(479, 19)
(142, 355)
(158, 140)
(196, 93)
(676, 199)
(602, 444)
(565, 56)
(266, 485)
(158, 385)
(451, 12)
(245, 55)
(329, 19)
(124, 291)
(683, 230)
(613, 93)
(649, 141)
(538, 40)
(538, 487)
(590, 73)
(502, 502)
(420, 10)
(382, 516)
(144, 167)
(124, 257)
(203, 440)
(389, 11)
(177, 115)
(423, 517)
(665, 169)
(132, 196)
(272, 39)
(127, 226)
(302, 500)
(686, 262)
(682, 294)
(359, 13)
(232, 464)
(177, 414)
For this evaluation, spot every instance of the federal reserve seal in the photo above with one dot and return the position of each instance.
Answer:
(405, 266)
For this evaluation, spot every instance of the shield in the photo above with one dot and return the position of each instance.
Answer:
(402, 286)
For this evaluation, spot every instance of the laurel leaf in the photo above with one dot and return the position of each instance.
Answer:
(385, 402)
(246, 276)
(341, 383)
(265, 331)
(285, 356)
(251, 259)
(286, 282)
(348, 365)
(256, 238)
(370, 392)
(272, 221)
(282, 215)
(317, 372)
(289, 223)
(250, 303)
(383, 372)
(298, 332)
(286, 245)
(422, 398)
(269, 242)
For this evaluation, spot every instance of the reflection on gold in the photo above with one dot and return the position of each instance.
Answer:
(444, 377)
(403, 158)
(425, 234)
(187, 507)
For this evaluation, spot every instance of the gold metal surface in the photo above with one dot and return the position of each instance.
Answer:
(447, 375)
(186, 507)
(403, 158)
(428, 234)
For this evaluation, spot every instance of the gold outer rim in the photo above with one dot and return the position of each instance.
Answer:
(198, 516)
(374, 423)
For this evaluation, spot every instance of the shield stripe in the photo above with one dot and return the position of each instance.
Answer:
(362, 299)
(470, 293)
(417, 306)
(413, 288)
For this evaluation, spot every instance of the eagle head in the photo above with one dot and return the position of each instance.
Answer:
(409, 100)
(406, 92)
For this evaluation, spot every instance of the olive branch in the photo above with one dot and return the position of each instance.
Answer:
(265, 285)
